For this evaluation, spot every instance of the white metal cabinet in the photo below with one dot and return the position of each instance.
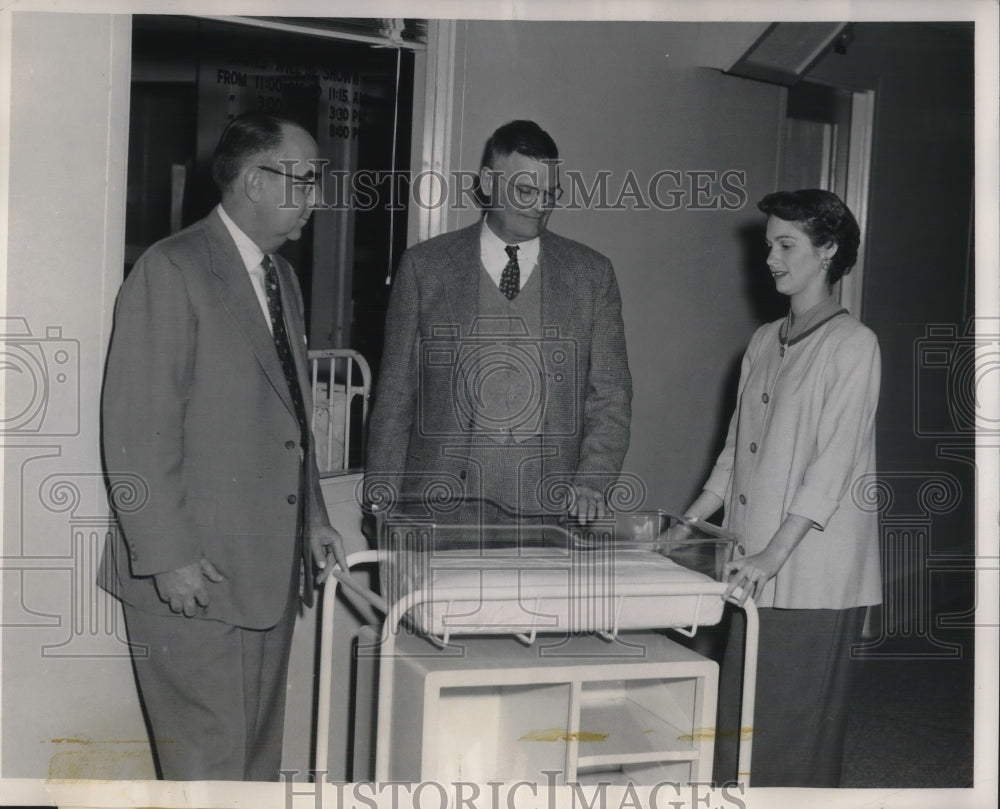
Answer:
(638, 709)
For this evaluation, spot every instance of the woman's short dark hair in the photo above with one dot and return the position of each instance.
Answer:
(523, 137)
(824, 218)
(246, 136)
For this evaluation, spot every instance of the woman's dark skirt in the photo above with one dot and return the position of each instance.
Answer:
(804, 673)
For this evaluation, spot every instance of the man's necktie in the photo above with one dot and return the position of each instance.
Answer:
(274, 308)
(510, 278)
(284, 348)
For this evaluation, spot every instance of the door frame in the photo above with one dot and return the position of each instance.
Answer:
(856, 178)
(856, 197)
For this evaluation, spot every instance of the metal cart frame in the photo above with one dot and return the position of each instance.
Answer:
(396, 612)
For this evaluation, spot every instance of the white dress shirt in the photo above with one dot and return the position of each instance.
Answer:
(495, 258)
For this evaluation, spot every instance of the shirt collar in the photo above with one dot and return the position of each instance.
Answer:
(251, 254)
(492, 250)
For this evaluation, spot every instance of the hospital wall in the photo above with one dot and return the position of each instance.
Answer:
(69, 708)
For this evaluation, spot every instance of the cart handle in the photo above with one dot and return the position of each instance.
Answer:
(503, 506)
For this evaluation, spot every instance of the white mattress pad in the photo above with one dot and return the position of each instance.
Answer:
(541, 590)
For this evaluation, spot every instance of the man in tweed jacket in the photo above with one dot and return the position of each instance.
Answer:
(504, 372)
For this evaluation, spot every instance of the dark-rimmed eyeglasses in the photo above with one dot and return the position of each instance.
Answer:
(528, 194)
(310, 180)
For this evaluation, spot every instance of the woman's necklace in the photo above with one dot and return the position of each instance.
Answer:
(786, 326)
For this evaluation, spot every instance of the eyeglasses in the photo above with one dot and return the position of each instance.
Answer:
(311, 180)
(528, 194)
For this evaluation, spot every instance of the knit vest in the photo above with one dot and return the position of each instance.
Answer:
(505, 380)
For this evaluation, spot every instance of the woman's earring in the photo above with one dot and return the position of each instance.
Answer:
(826, 264)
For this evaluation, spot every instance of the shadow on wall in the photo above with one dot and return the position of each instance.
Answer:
(766, 305)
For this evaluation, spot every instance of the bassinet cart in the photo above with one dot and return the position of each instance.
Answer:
(513, 652)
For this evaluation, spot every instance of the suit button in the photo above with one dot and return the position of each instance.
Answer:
(462, 474)
(292, 499)
(753, 446)
(743, 499)
(765, 398)
(289, 444)
(740, 550)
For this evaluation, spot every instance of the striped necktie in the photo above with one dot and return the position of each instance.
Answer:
(282, 345)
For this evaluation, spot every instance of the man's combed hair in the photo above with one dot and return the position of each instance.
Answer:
(824, 218)
(523, 137)
(246, 136)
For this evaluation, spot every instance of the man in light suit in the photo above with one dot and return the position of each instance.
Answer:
(210, 465)
(504, 371)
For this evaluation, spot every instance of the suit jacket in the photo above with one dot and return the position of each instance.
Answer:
(429, 330)
(201, 443)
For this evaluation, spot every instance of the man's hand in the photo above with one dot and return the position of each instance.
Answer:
(184, 588)
(588, 505)
(327, 549)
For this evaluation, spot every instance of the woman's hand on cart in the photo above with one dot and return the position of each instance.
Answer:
(678, 531)
(749, 576)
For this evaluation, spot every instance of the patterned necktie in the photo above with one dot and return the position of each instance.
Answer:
(510, 278)
(284, 348)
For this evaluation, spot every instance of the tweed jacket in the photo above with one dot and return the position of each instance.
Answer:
(431, 327)
(802, 441)
(199, 425)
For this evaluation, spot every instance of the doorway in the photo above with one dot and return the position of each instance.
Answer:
(190, 76)
(826, 143)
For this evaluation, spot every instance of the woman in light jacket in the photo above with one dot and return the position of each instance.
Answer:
(802, 436)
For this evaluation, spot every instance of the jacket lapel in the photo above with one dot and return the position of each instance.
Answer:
(558, 312)
(239, 299)
(558, 290)
(460, 279)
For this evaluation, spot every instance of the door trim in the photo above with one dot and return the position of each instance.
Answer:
(439, 100)
(856, 197)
